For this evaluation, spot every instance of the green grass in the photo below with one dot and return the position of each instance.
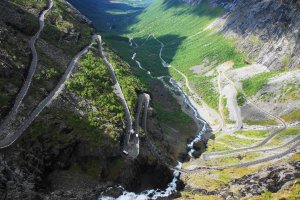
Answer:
(225, 109)
(127, 80)
(119, 12)
(79, 127)
(290, 131)
(260, 122)
(215, 146)
(252, 85)
(241, 99)
(293, 116)
(182, 49)
(92, 82)
(289, 92)
(204, 87)
(236, 142)
(291, 193)
(253, 133)
(174, 116)
(267, 96)
(60, 19)
(35, 4)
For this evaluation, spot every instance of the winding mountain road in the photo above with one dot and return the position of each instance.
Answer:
(211, 112)
(12, 137)
(231, 94)
(208, 156)
(238, 126)
(118, 91)
(287, 144)
(245, 164)
(4, 127)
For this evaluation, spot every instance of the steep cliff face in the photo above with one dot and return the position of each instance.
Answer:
(72, 149)
(268, 31)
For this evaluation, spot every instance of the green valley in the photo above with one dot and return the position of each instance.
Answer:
(149, 99)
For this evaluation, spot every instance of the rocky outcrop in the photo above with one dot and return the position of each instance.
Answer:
(269, 179)
(273, 179)
(56, 158)
(267, 31)
(80, 16)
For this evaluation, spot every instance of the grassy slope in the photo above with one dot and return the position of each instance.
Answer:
(91, 81)
(216, 179)
(175, 23)
(292, 117)
(252, 85)
(58, 19)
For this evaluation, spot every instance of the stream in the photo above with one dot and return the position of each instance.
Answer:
(172, 186)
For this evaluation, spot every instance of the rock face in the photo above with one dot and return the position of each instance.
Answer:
(55, 159)
(269, 179)
(268, 31)
(273, 179)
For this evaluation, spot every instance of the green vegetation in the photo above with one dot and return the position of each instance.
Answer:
(51, 70)
(14, 78)
(47, 74)
(65, 31)
(60, 24)
(93, 168)
(205, 87)
(195, 196)
(290, 131)
(293, 116)
(289, 91)
(236, 142)
(255, 40)
(292, 193)
(174, 116)
(253, 133)
(186, 42)
(241, 99)
(128, 82)
(77, 127)
(225, 109)
(110, 16)
(252, 85)
(213, 145)
(286, 61)
(267, 96)
(92, 82)
(260, 122)
(35, 4)
(267, 195)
